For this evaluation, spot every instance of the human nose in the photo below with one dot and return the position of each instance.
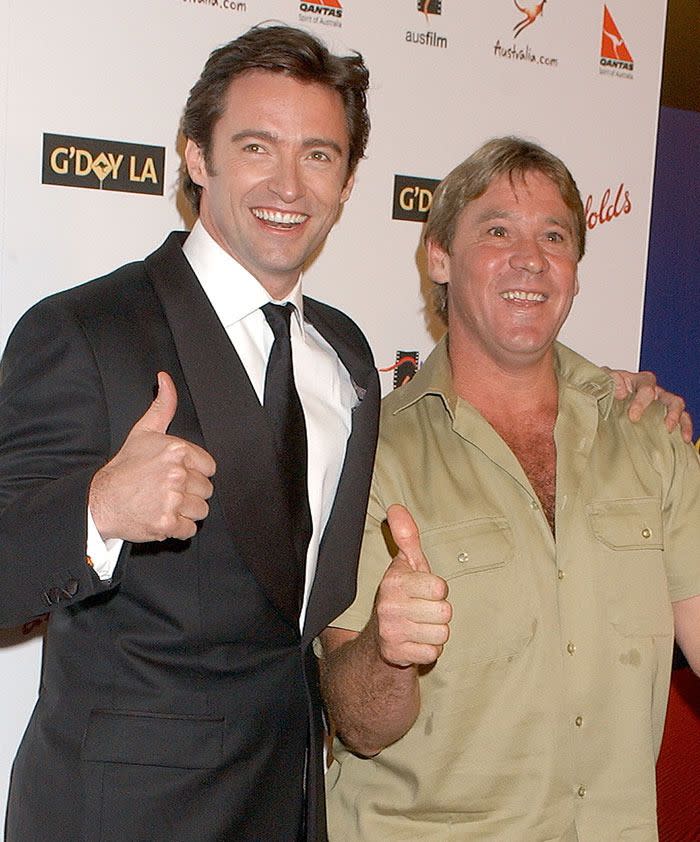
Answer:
(286, 181)
(528, 255)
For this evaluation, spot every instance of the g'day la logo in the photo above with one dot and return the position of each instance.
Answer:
(102, 164)
(413, 197)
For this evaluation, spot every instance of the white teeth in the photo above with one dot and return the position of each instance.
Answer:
(279, 217)
(521, 295)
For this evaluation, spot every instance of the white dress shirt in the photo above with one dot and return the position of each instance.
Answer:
(324, 385)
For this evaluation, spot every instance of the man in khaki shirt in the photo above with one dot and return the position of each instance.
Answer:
(529, 707)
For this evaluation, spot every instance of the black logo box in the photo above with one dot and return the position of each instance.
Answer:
(430, 7)
(99, 164)
(413, 197)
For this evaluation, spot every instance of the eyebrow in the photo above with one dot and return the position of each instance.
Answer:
(270, 137)
(494, 213)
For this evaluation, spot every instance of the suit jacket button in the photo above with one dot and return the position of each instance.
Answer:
(53, 596)
(71, 588)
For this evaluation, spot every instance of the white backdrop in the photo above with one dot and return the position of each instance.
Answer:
(442, 82)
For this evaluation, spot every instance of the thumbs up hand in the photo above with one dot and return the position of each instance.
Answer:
(411, 606)
(156, 486)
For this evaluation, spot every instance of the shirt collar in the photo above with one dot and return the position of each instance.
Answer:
(233, 292)
(435, 378)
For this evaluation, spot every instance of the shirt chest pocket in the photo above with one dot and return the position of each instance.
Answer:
(629, 537)
(493, 609)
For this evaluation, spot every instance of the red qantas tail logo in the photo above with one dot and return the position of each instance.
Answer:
(613, 44)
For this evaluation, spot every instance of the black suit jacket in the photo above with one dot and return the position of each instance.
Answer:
(177, 701)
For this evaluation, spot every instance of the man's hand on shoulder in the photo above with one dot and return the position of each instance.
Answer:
(156, 486)
(645, 390)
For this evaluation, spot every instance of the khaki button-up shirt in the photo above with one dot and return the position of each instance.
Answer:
(542, 719)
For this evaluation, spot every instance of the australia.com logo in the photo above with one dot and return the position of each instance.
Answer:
(413, 197)
(324, 12)
(224, 5)
(102, 164)
(615, 57)
(526, 14)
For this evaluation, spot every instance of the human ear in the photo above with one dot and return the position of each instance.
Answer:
(438, 263)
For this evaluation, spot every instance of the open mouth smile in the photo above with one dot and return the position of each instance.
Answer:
(522, 295)
(279, 219)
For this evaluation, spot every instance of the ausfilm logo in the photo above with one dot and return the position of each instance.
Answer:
(413, 197)
(528, 14)
(324, 12)
(615, 57)
(102, 164)
(403, 368)
(427, 8)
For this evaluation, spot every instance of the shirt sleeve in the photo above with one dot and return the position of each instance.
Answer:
(682, 523)
(375, 557)
(103, 555)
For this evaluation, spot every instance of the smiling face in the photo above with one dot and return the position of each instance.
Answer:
(511, 272)
(276, 176)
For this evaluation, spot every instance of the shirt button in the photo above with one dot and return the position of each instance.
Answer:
(534, 504)
(463, 558)
(560, 574)
(570, 648)
(578, 721)
(581, 791)
(646, 532)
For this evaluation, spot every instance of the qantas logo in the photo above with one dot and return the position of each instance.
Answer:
(614, 53)
(328, 12)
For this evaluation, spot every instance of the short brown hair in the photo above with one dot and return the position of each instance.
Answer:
(509, 156)
(279, 49)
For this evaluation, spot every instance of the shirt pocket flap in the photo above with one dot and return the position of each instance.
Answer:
(630, 524)
(469, 546)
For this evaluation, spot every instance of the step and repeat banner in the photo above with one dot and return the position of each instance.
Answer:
(90, 101)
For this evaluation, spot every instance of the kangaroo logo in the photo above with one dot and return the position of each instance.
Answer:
(531, 11)
(613, 44)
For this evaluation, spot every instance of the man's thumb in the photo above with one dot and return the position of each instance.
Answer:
(405, 534)
(160, 413)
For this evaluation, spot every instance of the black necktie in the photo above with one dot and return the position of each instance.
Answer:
(281, 401)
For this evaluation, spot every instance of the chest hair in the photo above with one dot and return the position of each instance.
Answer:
(532, 443)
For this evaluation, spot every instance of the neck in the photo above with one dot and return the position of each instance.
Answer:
(496, 388)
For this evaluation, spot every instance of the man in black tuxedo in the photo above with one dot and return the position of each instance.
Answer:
(179, 693)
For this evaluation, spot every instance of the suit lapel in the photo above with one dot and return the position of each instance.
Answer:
(234, 427)
(336, 571)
